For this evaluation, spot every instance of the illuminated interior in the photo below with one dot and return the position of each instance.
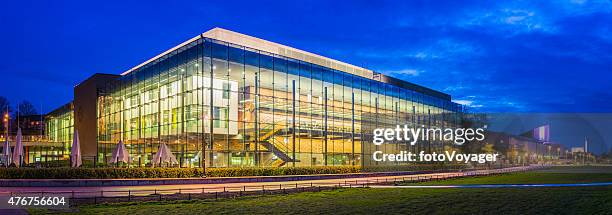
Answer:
(267, 110)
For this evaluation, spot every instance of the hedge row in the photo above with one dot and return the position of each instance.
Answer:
(272, 171)
(110, 173)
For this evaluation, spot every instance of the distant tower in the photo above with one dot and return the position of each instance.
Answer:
(586, 144)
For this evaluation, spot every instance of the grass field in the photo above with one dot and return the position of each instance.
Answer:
(555, 175)
(568, 200)
(363, 200)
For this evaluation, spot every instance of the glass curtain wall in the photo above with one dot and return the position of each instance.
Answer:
(59, 129)
(224, 105)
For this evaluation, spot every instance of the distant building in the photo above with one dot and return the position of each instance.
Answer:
(529, 147)
(519, 149)
(33, 135)
(577, 149)
(30, 125)
(541, 133)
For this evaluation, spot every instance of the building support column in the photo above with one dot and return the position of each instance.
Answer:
(325, 129)
(353, 128)
(293, 121)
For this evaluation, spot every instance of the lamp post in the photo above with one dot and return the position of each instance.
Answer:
(5, 120)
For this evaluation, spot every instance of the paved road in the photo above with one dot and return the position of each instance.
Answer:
(109, 191)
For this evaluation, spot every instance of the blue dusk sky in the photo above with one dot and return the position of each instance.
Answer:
(492, 56)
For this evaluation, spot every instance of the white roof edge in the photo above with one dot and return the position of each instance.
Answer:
(275, 48)
(271, 47)
(162, 54)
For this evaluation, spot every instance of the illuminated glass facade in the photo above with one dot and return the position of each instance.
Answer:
(59, 129)
(262, 109)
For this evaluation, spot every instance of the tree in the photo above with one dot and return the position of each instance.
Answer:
(473, 121)
(4, 104)
(26, 108)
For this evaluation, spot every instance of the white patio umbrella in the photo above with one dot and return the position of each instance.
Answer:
(75, 154)
(163, 155)
(120, 153)
(18, 151)
(6, 152)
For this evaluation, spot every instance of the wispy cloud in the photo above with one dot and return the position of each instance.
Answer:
(403, 72)
(447, 48)
(490, 55)
(468, 103)
(510, 21)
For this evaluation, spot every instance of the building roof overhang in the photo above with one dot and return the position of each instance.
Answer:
(283, 50)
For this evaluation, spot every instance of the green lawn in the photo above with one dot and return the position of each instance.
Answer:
(593, 200)
(578, 169)
(556, 175)
(564, 200)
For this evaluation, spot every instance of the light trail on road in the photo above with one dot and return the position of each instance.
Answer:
(497, 185)
(144, 190)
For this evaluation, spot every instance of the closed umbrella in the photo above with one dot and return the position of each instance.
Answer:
(75, 154)
(18, 151)
(163, 155)
(120, 154)
(6, 152)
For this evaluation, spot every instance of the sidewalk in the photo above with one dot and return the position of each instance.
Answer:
(177, 181)
(216, 190)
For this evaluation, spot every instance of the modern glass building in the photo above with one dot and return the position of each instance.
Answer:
(45, 138)
(224, 99)
(59, 128)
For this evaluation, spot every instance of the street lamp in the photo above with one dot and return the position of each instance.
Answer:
(6, 122)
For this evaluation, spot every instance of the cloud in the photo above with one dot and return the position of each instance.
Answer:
(468, 103)
(492, 55)
(463, 102)
(509, 21)
(445, 48)
(441, 49)
(518, 16)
